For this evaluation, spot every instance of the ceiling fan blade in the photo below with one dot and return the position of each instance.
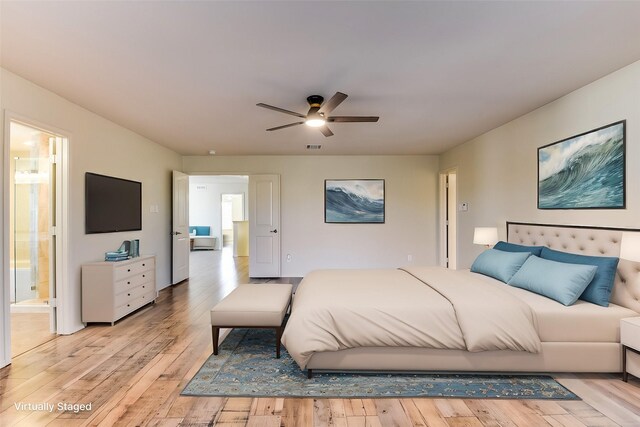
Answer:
(282, 110)
(331, 104)
(325, 131)
(285, 126)
(348, 119)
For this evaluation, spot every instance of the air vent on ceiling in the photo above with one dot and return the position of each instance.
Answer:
(201, 187)
(314, 146)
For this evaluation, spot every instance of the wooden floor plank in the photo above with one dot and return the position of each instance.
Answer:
(354, 407)
(464, 422)
(453, 408)
(297, 412)
(413, 413)
(264, 421)
(489, 414)
(204, 411)
(392, 413)
(133, 374)
(430, 412)
(566, 420)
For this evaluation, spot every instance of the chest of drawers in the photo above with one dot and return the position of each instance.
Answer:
(111, 290)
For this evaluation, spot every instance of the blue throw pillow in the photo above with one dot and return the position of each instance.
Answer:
(560, 281)
(512, 247)
(599, 290)
(500, 265)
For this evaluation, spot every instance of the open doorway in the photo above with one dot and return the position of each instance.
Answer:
(235, 230)
(216, 204)
(33, 204)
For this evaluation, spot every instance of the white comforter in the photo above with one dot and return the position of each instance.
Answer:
(428, 307)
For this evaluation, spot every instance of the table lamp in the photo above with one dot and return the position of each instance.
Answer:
(630, 246)
(487, 236)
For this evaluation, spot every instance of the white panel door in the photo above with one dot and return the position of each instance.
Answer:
(452, 229)
(264, 226)
(180, 230)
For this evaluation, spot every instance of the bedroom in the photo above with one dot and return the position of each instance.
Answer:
(497, 170)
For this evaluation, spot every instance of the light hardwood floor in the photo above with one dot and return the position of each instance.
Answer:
(133, 373)
(29, 330)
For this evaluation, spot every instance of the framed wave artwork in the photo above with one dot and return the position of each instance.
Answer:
(354, 201)
(586, 171)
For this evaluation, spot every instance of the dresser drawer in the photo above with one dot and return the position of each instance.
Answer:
(133, 268)
(134, 304)
(130, 295)
(133, 281)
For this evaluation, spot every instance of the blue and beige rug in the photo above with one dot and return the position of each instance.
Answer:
(246, 366)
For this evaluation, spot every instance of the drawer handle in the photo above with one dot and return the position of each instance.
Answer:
(143, 265)
(128, 283)
(128, 305)
(144, 275)
(142, 286)
(128, 295)
(128, 270)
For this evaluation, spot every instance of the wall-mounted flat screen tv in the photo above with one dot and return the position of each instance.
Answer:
(112, 204)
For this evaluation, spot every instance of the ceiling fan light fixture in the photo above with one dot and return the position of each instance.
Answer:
(315, 123)
(315, 120)
(318, 115)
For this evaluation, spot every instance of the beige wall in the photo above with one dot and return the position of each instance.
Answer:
(497, 172)
(98, 145)
(410, 221)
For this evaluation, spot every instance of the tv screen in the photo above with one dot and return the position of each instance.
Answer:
(112, 204)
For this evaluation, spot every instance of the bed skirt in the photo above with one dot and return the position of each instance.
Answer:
(555, 357)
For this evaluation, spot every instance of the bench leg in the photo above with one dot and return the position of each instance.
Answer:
(309, 373)
(278, 338)
(215, 333)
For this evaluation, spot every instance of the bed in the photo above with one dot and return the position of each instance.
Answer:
(401, 319)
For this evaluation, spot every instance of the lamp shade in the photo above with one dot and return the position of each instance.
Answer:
(485, 236)
(630, 246)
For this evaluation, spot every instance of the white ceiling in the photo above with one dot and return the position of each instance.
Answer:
(188, 74)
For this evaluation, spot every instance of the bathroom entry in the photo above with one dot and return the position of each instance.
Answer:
(32, 208)
(234, 226)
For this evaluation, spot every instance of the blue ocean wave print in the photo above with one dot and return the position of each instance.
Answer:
(592, 177)
(343, 205)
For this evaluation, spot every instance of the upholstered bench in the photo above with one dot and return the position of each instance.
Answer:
(201, 238)
(262, 305)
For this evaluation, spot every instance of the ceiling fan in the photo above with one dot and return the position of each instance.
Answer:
(317, 114)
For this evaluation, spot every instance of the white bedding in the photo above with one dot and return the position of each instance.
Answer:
(429, 307)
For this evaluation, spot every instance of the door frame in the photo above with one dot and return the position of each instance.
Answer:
(60, 301)
(444, 203)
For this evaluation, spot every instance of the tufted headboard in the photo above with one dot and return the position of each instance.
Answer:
(598, 241)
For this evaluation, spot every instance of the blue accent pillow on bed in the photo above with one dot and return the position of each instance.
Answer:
(512, 247)
(599, 290)
(500, 265)
(560, 281)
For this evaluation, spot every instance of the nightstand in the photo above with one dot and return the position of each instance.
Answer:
(630, 340)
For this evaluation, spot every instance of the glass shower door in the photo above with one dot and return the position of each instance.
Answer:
(30, 234)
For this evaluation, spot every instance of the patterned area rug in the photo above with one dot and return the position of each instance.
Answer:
(246, 366)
